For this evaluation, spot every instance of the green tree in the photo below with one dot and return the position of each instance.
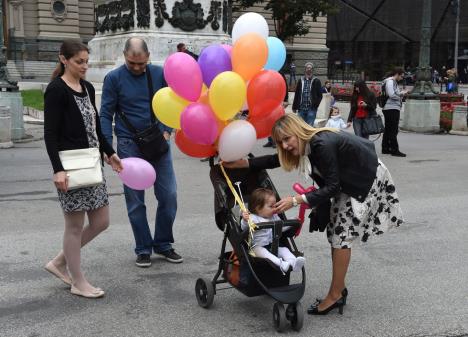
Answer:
(290, 16)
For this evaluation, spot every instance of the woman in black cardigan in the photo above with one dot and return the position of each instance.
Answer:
(346, 168)
(71, 122)
(363, 104)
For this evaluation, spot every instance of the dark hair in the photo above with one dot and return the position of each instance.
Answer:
(397, 70)
(68, 49)
(363, 91)
(258, 199)
(180, 45)
(331, 110)
(130, 44)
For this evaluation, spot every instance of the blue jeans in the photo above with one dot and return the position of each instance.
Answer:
(358, 124)
(165, 190)
(308, 115)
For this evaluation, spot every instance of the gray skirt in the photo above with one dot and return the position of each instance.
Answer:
(351, 220)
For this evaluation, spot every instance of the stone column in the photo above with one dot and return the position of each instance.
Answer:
(16, 17)
(5, 128)
(9, 93)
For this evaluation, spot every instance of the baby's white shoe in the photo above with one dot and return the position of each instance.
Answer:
(300, 261)
(284, 266)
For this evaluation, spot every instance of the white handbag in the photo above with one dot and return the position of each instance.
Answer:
(83, 167)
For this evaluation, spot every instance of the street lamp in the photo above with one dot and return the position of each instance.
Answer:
(456, 5)
(422, 108)
(5, 83)
(423, 88)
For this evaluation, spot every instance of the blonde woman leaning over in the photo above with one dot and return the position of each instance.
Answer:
(364, 201)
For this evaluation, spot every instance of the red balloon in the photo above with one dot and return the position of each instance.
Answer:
(191, 149)
(264, 124)
(265, 92)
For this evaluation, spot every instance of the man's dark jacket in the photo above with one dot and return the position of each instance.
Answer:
(315, 94)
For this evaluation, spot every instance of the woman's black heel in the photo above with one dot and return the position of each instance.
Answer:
(313, 309)
(344, 293)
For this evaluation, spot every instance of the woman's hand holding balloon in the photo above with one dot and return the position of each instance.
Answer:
(116, 163)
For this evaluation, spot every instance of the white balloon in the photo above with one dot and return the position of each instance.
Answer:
(237, 140)
(250, 23)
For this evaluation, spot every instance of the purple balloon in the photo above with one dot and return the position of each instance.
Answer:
(213, 60)
(199, 124)
(137, 173)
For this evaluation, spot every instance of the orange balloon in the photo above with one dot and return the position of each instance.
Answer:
(264, 124)
(265, 92)
(204, 98)
(191, 149)
(249, 55)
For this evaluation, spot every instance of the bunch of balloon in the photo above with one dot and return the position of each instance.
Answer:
(204, 98)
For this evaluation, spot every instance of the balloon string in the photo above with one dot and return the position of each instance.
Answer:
(252, 225)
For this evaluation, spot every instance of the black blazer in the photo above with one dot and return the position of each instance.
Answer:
(371, 102)
(347, 163)
(315, 94)
(64, 127)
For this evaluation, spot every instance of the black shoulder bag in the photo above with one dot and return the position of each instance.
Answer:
(373, 125)
(150, 141)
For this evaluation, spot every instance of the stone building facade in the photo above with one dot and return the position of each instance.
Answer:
(34, 29)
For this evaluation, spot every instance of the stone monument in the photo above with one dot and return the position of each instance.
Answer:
(162, 23)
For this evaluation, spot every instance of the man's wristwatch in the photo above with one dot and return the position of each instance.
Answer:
(294, 201)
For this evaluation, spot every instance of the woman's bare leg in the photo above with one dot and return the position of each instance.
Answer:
(340, 263)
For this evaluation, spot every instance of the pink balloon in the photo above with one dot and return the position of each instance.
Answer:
(137, 173)
(184, 76)
(227, 48)
(198, 123)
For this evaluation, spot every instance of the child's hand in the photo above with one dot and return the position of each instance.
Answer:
(245, 215)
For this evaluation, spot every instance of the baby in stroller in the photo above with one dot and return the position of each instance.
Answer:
(261, 209)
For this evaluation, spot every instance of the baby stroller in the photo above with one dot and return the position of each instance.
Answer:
(250, 275)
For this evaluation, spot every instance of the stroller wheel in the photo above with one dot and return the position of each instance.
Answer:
(295, 315)
(204, 290)
(279, 317)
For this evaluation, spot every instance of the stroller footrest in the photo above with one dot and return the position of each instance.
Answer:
(288, 294)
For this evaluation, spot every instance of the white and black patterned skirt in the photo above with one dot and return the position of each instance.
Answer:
(351, 219)
(84, 199)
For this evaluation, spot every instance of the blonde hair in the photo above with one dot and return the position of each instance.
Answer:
(293, 125)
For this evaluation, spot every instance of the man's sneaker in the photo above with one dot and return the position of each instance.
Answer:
(171, 256)
(143, 261)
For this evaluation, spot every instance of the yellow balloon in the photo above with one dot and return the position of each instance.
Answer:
(168, 106)
(227, 94)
